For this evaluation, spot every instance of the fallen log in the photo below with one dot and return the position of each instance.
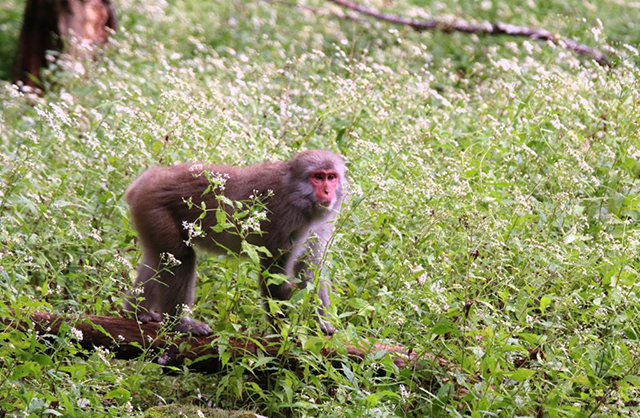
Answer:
(128, 339)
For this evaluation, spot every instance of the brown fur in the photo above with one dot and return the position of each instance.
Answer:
(158, 209)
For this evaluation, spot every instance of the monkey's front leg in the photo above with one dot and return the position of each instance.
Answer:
(278, 291)
(308, 275)
(323, 293)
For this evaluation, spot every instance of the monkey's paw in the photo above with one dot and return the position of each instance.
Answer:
(193, 327)
(150, 316)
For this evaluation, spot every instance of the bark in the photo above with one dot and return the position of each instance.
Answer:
(128, 339)
(47, 22)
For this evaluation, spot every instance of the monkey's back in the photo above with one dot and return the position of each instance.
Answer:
(170, 184)
(158, 197)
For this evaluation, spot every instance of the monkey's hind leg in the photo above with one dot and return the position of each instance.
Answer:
(308, 274)
(139, 300)
(166, 277)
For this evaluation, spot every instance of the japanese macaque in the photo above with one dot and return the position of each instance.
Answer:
(302, 196)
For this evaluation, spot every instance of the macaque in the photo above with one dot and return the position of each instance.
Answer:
(302, 196)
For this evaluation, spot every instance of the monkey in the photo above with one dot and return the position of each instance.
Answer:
(303, 196)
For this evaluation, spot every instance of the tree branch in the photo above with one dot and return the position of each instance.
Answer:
(483, 28)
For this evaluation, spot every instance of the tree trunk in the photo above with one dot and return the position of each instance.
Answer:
(127, 339)
(46, 22)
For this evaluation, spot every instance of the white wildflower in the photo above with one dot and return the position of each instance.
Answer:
(196, 167)
(404, 393)
(67, 97)
(94, 235)
(170, 259)
(193, 230)
(122, 261)
(83, 403)
(422, 278)
(436, 287)
(76, 333)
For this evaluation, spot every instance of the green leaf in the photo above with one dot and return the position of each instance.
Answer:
(263, 250)
(314, 344)
(544, 303)
(157, 146)
(277, 278)
(261, 362)
(372, 400)
(286, 386)
(42, 359)
(221, 216)
(444, 326)
(225, 357)
(351, 377)
(339, 136)
(241, 215)
(29, 368)
(225, 200)
(119, 393)
(521, 375)
(219, 227)
(570, 237)
(634, 380)
(250, 250)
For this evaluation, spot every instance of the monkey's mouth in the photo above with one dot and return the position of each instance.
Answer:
(325, 203)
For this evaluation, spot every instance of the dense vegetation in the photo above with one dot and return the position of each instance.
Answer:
(493, 217)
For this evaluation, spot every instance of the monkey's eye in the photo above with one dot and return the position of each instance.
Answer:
(318, 176)
(331, 177)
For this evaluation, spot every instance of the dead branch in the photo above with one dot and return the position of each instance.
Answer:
(481, 28)
(128, 339)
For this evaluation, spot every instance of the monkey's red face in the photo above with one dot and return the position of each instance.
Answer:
(324, 184)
